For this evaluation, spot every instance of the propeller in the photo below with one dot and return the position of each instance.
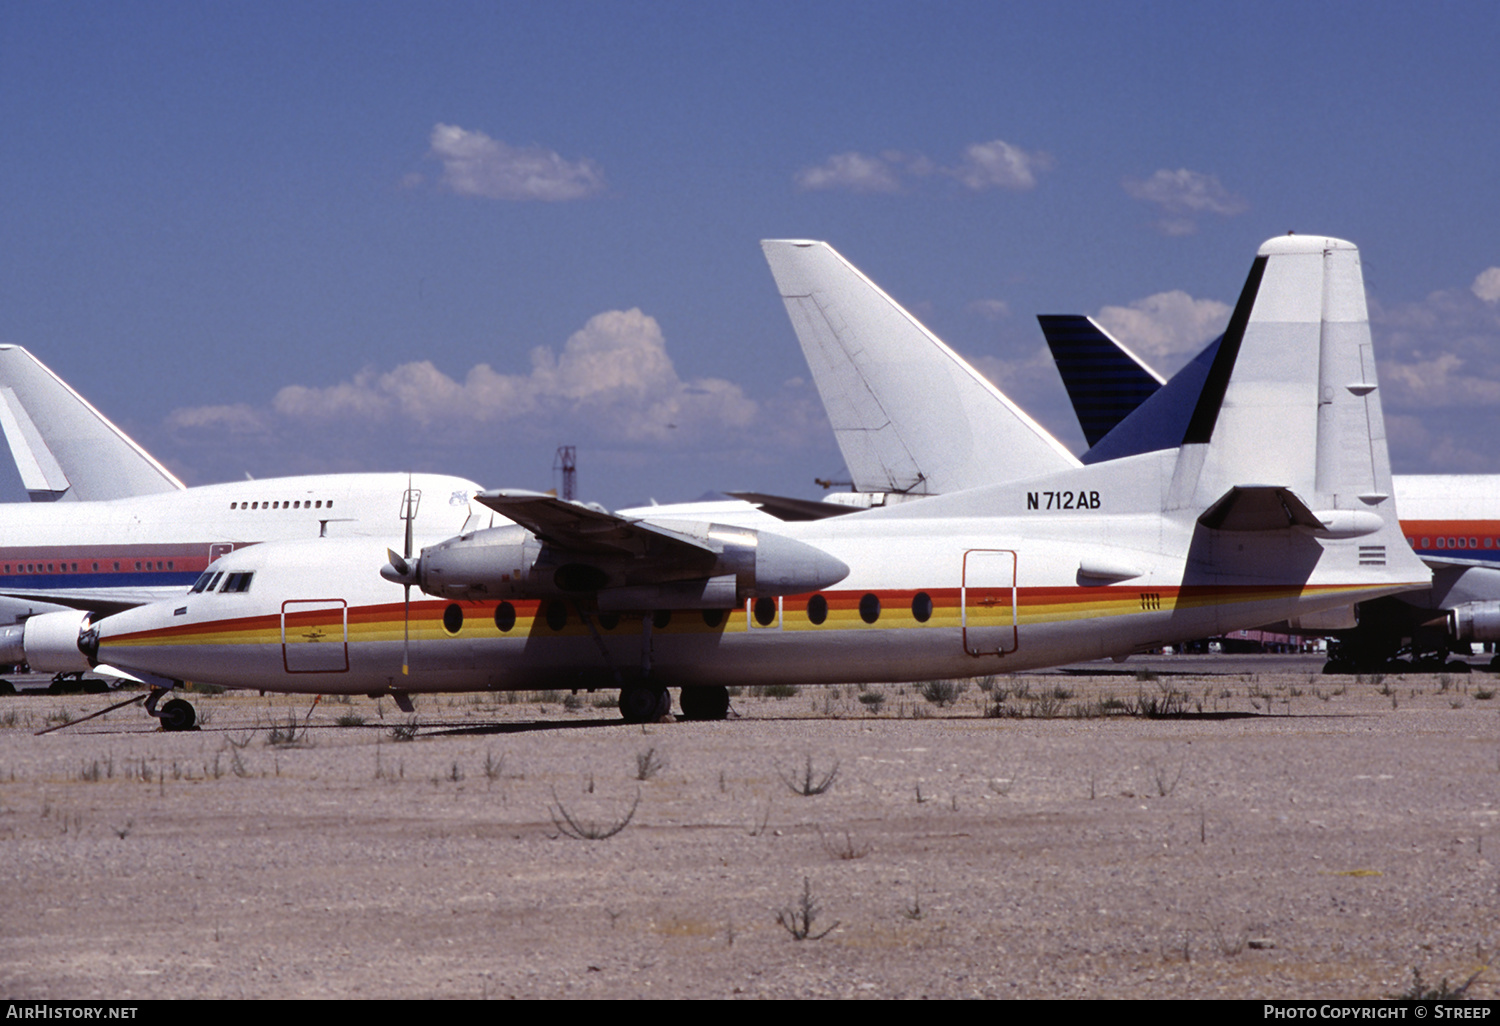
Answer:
(403, 570)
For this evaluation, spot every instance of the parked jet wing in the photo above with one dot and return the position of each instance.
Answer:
(585, 529)
(784, 507)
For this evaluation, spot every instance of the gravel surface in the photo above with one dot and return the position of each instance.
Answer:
(1290, 835)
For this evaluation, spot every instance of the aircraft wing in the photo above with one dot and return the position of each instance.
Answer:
(105, 600)
(1453, 563)
(586, 529)
(784, 507)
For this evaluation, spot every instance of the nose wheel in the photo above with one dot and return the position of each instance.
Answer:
(176, 714)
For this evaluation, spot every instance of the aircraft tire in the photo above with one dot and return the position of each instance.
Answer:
(710, 703)
(178, 714)
(640, 703)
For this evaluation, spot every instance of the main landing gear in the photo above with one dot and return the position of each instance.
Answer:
(644, 703)
(176, 714)
(704, 703)
(647, 703)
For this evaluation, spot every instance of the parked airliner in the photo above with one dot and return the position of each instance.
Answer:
(1276, 505)
(865, 351)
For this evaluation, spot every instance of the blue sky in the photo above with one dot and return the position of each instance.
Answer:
(288, 238)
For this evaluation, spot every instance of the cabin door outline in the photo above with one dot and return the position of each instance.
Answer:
(315, 635)
(987, 602)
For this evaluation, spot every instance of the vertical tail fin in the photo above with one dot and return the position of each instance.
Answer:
(910, 415)
(1106, 382)
(63, 447)
(1291, 399)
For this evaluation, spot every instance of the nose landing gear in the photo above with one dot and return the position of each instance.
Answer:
(176, 714)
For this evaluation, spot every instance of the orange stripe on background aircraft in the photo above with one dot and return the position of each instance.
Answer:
(1276, 506)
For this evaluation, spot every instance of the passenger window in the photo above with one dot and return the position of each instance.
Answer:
(921, 607)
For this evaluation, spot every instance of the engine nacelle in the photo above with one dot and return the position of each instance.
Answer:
(51, 642)
(496, 563)
(1475, 621)
(682, 565)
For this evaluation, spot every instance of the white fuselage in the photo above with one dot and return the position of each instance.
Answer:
(127, 551)
(950, 592)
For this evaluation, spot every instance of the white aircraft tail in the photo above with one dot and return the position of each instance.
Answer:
(1292, 397)
(63, 447)
(910, 415)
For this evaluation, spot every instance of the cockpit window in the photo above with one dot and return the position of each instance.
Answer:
(208, 582)
(237, 582)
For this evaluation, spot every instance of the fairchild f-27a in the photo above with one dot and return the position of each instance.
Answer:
(1276, 506)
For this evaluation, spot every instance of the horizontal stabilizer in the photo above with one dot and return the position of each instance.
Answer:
(1259, 508)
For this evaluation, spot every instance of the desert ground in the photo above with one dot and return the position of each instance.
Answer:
(1190, 827)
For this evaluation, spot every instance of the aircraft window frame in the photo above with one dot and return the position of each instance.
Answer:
(453, 618)
(817, 610)
(237, 582)
(712, 618)
(764, 611)
(661, 619)
(609, 621)
(556, 613)
(921, 607)
(869, 607)
(505, 618)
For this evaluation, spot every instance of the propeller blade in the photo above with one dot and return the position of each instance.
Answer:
(398, 570)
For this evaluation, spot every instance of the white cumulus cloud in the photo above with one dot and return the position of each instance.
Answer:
(856, 172)
(990, 165)
(476, 165)
(613, 379)
(999, 165)
(1487, 285)
(1167, 328)
(1183, 196)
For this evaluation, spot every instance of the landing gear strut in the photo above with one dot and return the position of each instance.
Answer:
(177, 714)
(644, 703)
